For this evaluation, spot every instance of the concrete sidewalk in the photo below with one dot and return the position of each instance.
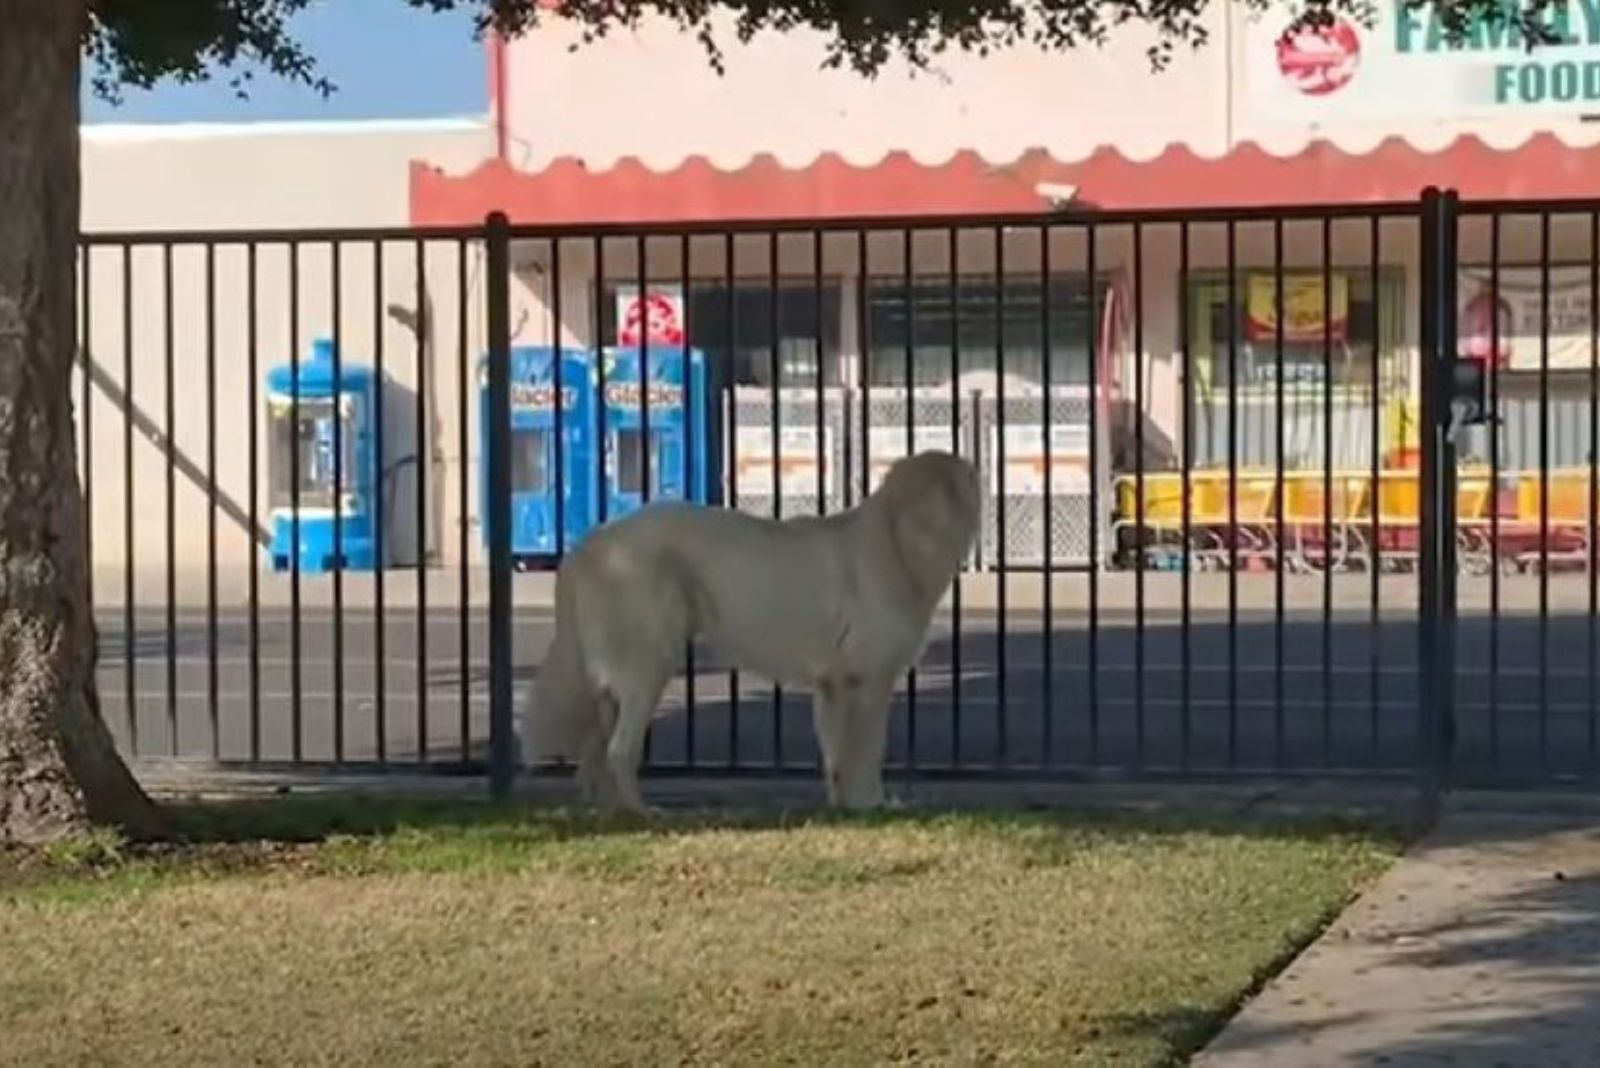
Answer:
(1481, 947)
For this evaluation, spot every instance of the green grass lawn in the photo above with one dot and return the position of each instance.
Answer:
(358, 932)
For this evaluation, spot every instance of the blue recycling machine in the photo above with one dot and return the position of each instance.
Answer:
(313, 409)
(588, 494)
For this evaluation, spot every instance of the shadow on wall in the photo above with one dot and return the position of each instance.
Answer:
(1128, 426)
(397, 464)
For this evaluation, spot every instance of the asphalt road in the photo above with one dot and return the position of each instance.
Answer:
(1301, 691)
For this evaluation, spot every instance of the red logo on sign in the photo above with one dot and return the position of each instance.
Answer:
(1318, 60)
(662, 326)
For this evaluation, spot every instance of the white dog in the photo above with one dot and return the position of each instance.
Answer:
(839, 605)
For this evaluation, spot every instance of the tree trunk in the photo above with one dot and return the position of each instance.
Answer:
(59, 771)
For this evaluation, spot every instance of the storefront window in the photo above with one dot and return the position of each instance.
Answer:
(1341, 368)
(994, 324)
(736, 329)
(1245, 351)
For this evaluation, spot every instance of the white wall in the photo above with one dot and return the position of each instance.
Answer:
(154, 180)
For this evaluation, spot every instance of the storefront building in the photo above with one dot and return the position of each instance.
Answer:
(638, 129)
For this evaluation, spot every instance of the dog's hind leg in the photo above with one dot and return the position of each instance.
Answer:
(827, 716)
(593, 774)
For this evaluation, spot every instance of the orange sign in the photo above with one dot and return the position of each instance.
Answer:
(1304, 313)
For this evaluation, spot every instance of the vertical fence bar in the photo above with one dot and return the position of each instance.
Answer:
(558, 348)
(253, 469)
(463, 511)
(1047, 637)
(603, 491)
(642, 281)
(497, 269)
(86, 418)
(1375, 550)
(1002, 553)
(1232, 253)
(296, 670)
(1327, 494)
(1427, 548)
(907, 250)
(688, 477)
(689, 481)
(864, 362)
(422, 324)
(130, 623)
(1139, 495)
(1494, 483)
(729, 278)
(1185, 466)
(557, 387)
(1592, 655)
(212, 682)
(169, 447)
(1544, 493)
(379, 473)
(954, 241)
(1098, 305)
(1448, 518)
(558, 351)
(817, 311)
(775, 416)
(336, 311)
(1278, 740)
(1436, 594)
(641, 253)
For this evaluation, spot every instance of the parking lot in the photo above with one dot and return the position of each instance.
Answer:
(1128, 686)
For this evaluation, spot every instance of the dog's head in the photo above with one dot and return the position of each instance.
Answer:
(931, 502)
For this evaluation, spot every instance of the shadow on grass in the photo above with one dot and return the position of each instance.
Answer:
(310, 820)
(354, 834)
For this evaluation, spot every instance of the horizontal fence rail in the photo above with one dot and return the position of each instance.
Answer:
(1199, 438)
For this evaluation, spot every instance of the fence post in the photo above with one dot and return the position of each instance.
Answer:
(502, 758)
(1436, 572)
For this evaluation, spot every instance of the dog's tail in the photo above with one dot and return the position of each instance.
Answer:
(564, 696)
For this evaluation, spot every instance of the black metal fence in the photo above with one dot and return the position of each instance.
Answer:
(1226, 529)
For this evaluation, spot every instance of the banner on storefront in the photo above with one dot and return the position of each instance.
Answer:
(1304, 314)
(656, 317)
(1509, 317)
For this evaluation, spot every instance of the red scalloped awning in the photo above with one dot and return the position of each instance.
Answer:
(567, 192)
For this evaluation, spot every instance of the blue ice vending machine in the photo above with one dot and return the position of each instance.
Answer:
(534, 453)
(321, 499)
(672, 429)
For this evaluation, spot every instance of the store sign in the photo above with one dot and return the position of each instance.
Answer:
(1305, 313)
(1403, 66)
(625, 395)
(1521, 340)
(796, 459)
(657, 318)
(541, 396)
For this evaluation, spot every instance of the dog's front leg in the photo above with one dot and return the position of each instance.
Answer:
(865, 736)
